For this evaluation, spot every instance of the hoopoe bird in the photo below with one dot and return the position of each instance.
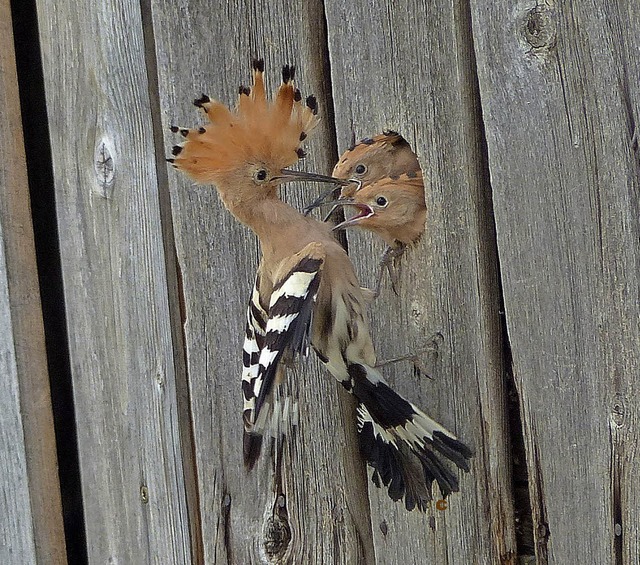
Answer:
(306, 294)
(392, 208)
(387, 191)
(384, 156)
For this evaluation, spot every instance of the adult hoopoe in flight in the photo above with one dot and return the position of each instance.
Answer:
(306, 292)
(387, 191)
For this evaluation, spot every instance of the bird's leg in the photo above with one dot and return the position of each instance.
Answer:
(386, 262)
(319, 201)
(415, 356)
(333, 209)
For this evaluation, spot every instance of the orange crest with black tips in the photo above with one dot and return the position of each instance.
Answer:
(258, 130)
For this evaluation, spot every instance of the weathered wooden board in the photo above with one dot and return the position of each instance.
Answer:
(409, 67)
(559, 88)
(31, 527)
(203, 48)
(115, 282)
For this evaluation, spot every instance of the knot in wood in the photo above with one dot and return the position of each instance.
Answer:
(104, 168)
(618, 411)
(539, 29)
(277, 535)
(384, 528)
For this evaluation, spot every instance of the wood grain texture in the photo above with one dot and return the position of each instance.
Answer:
(559, 88)
(115, 284)
(558, 98)
(31, 528)
(318, 489)
(413, 71)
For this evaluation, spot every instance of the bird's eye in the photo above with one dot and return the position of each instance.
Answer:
(360, 169)
(381, 201)
(260, 175)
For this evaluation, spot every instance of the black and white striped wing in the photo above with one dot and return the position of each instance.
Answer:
(288, 329)
(256, 330)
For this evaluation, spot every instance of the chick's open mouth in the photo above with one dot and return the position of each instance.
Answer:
(363, 211)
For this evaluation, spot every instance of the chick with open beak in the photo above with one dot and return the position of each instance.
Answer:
(387, 194)
(393, 209)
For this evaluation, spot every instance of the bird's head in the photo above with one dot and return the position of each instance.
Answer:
(373, 159)
(393, 208)
(245, 152)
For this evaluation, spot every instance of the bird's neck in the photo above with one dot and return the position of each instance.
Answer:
(267, 217)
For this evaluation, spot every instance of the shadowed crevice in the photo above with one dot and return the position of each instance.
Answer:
(330, 116)
(47, 247)
(175, 291)
(523, 517)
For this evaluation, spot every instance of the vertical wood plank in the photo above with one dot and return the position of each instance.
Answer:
(31, 528)
(317, 493)
(409, 67)
(559, 88)
(115, 283)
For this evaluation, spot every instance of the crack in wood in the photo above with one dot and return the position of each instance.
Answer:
(541, 531)
(522, 511)
(224, 514)
(615, 472)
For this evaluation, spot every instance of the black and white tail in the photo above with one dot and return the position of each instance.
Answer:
(404, 446)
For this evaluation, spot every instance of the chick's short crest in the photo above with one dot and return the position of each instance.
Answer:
(387, 155)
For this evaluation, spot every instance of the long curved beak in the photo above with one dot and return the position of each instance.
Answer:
(287, 175)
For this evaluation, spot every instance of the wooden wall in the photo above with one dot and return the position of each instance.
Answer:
(31, 529)
(523, 116)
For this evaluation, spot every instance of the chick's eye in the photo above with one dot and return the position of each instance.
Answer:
(381, 201)
(360, 169)
(260, 175)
